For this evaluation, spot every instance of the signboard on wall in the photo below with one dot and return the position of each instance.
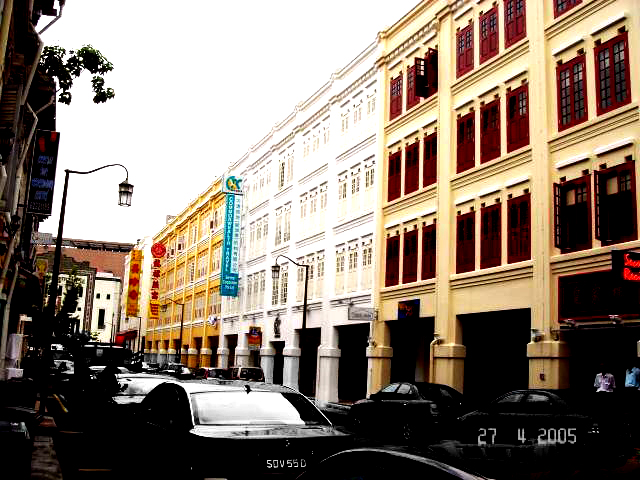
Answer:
(43, 172)
(254, 338)
(133, 290)
(626, 265)
(409, 309)
(365, 314)
(158, 250)
(231, 246)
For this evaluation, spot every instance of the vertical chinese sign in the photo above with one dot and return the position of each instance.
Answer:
(232, 188)
(158, 251)
(133, 292)
(43, 172)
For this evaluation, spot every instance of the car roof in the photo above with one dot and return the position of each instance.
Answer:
(200, 386)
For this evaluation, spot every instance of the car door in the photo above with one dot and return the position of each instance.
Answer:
(402, 406)
(550, 420)
(493, 424)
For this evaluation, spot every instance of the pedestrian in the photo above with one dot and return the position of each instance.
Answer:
(605, 381)
(632, 384)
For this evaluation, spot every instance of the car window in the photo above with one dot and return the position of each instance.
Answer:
(539, 403)
(510, 399)
(254, 408)
(404, 389)
(390, 388)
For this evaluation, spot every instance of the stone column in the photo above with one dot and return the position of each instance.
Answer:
(242, 351)
(327, 378)
(291, 367)
(205, 357)
(162, 356)
(192, 358)
(223, 357)
(379, 355)
(267, 361)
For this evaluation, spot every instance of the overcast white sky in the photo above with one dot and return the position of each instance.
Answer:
(197, 83)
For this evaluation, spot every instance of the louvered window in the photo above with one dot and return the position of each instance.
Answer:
(412, 94)
(428, 251)
(490, 228)
(515, 21)
(395, 101)
(490, 131)
(612, 74)
(572, 212)
(392, 265)
(615, 193)
(427, 73)
(394, 176)
(465, 243)
(410, 257)
(430, 160)
(562, 6)
(519, 228)
(411, 168)
(464, 50)
(489, 35)
(466, 143)
(518, 118)
(572, 93)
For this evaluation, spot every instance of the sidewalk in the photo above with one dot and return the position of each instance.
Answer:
(44, 460)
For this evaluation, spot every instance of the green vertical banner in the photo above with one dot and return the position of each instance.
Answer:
(229, 271)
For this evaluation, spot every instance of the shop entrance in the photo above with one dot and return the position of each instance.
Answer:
(615, 346)
(410, 341)
(278, 362)
(496, 347)
(232, 343)
(213, 345)
(352, 366)
(309, 343)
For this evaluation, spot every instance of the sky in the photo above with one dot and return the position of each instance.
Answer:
(197, 82)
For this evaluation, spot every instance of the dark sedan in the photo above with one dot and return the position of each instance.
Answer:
(383, 464)
(411, 411)
(234, 430)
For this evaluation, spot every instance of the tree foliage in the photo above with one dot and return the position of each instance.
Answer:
(66, 67)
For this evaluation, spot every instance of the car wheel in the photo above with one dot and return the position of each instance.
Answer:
(408, 432)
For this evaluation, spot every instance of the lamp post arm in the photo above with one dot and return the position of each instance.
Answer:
(100, 168)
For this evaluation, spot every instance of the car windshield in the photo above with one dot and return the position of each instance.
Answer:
(138, 386)
(251, 374)
(254, 408)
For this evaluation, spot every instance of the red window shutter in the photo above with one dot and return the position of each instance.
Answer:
(410, 257)
(518, 118)
(394, 175)
(613, 81)
(490, 244)
(412, 94)
(428, 251)
(420, 66)
(493, 31)
(562, 6)
(488, 34)
(469, 48)
(392, 263)
(519, 228)
(430, 160)
(411, 168)
(465, 243)
(597, 201)
(484, 38)
(464, 50)
(490, 131)
(460, 64)
(466, 142)
(571, 85)
(395, 99)
(515, 21)
(432, 71)
(557, 215)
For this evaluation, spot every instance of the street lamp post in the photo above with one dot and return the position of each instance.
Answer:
(164, 307)
(275, 275)
(125, 191)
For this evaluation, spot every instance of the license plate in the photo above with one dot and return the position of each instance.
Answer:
(286, 463)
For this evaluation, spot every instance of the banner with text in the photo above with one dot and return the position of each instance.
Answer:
(231, 246)
(133, 291)
(43, 172)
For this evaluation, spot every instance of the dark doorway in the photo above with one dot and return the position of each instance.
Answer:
(254, 358)
(232, 343)
(309, 343)
(496, 348)
(410, 341)
(213, 345)
(278, 362)
(352, 367)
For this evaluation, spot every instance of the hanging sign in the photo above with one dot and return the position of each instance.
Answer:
(158, 250)
(133, 291)
(43, 172)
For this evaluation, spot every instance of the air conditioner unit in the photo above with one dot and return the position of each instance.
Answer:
(211, 224)
(179, 246)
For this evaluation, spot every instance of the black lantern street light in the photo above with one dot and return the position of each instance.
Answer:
(275, 275)
(125, 192)
(164, 309)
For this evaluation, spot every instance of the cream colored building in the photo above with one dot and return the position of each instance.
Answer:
(525, 159)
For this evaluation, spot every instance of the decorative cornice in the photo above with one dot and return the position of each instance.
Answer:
(318, 237)
(399, 51)
(360, 146)
(406, 201)
(283, 192)
(345, 300)
(258, 207)
(257, 260)
(316, 173)
(486, 276)
(353, 223)
(568, 20)
(408, 289)
(490, 169)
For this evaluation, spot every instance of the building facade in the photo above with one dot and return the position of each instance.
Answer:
(106, 306)
(510, 138)
(189, 284)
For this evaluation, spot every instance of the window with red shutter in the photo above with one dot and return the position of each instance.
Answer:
(562, 6)
(519, 228)
(410, 257)
(395, 100)
(490, 243)
(430, 160)
(394, 176)
(464, 50)
(615, 193)
(411, 168)
(518, 118)
(392, 272)
(466, 142)
(613, 84)
(489, 35)
(490, 131)
(412, 93)
(515, 27)
(428, 251)
(572, 208)
(427, 74)
(572, 93)
(465, 243)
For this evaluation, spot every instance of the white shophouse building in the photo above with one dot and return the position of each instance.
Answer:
(105, 305)
(310, 195)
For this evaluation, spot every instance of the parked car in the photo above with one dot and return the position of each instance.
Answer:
(253, 374)
(135, 387)
(409, 411)
(211, 372)
(382, 464)
(541, 424)
(254, 430)
(177, 370)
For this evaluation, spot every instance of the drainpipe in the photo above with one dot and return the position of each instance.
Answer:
(7, 14)
(5, 323)
(61, 5)
(437, 340)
